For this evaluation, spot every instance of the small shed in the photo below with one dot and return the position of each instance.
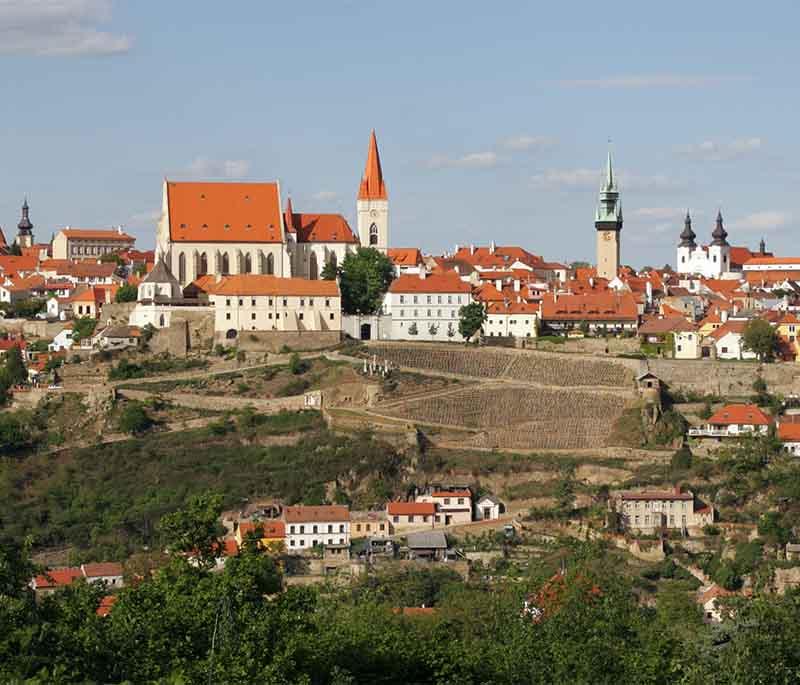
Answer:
(430, 545)
(648, 381)
(792, 551)
(488, 508)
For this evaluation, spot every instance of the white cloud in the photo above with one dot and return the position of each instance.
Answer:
(653, 81)
(522, 143)
(58, 28)
(763, 222)
(659, 213)
(719, 151)
(326, 195)
(473, 160)
(575, 179)
(203, 167)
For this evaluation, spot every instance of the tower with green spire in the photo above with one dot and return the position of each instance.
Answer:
(608, 224)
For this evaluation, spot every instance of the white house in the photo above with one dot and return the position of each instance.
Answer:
(732, 421)
(405, 516)
(728, 341)
(307, 526)
(516, 319)
(648, 511)
(425, 307)
(62, 340)
(453, 507)
(488, 508)
(117, 338)
(789, 435)
(59, 308)
(109, 573)
(686, 343)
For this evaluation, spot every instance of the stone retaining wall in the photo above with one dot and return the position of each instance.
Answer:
(220, 403)
(275, 341)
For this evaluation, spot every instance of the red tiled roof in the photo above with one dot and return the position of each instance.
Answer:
(15, 264)
(728, 327)
(487, 292)
(372, 184)
(410, 508)
(314, 513)
(433, 283)
(590, 307)
(404, 256)
(512, 308)
(451, 493)
(770, 261)
(65, 267)
(8, 343)
(100, 569)
(741, 414)
(740, 255)
(270, 529)
(104, 609)
(261, 284)
(224, 212)
(58, 577)
(672, 324)
(322, 228)
(97, 234)
(789, 432)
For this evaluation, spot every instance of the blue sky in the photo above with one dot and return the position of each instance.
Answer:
(492, 118)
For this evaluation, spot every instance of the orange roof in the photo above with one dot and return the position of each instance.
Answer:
(769, 261)
(728, 327)
(405, 256)
(434, 283)
(270, 529)
(410, 508)
(671, 312)
(224, 212)
(713, 592)
(372, 184)
(105, 605)
(602, 306)
(772, 276)
(58, 577)
(262, 284)
(487, 292)
(740, 414)
(100, 569)
(16, 264)
(79, 269)
(788, 318)
(712, 318)
(721, 285)
(740, 255)
(789, 432)
(451, 493)
(584, 273)
(512, 308)
(97, 234)
(321, 228)
(313, 514)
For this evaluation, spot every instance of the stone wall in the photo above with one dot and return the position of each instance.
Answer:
(725, 378)
(594, 346)
(116, 313)
(274, 341)
(35, 328)
(173, 340)
(220, 403)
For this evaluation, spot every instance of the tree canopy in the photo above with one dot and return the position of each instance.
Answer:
(127, 293)
(364, 278)
(472, 317)
(760, 338)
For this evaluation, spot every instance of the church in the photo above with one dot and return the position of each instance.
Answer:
(225, 228)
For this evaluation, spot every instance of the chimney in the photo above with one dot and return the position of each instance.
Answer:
(723, 315)
(499, 284)
(492, 247)
(458, 247)
(472, 249)
(422, 272)
(119, 229)
(516, 285)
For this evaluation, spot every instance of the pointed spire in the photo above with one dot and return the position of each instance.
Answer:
(687, 235)
(609, 170)
(762, 247)
(288, 215)
(372, 185)
(25, 225)
(720, 234)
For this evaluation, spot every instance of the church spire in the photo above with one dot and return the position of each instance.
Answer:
(609, 171)
(687, 235)
(288, 215)
(609, 207)
(372, 185)
(25, 226)
(719, 235)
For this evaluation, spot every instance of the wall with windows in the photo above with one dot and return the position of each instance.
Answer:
(188, 261)
(76, 248)
(301, 537)
(423, 316)
(276, 313)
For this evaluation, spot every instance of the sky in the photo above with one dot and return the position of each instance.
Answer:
(493, 119)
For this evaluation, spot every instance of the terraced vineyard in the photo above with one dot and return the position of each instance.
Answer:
(533, 367)
(520, 416)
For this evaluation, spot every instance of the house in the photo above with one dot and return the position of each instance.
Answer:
(13, 341)
(604, 311)
(788, 329)
(734, 420)
(370, 524)
(261, 303)
(81, 272)
(728, 341)
(411, 515)
(59, 308)
(708, 598)
(514, 319)
(792, 551)
(453, 507)
(406, 260)
(62, 339)
(307, 526)
(651, 511)
(89, 300)
(109, 573)
(273, 533)
(425, 306)
(789, 434)
(76, 243)
(488, 508)
(430, 545)
(687, 343)
(51, 580)
(117, 338)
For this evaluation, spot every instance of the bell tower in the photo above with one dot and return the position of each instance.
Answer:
(372, 205)
(608, 224)
(25, 227)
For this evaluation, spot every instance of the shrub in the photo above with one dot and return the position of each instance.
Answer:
(134, 419)
(682, 459)
(297, 366)
(294, 387)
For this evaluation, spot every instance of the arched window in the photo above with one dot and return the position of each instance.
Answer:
(225, 267)
(333, 261)
(203, 268)
(182, 267)
(270, 264)
(313, 271)
(231, 334)
(248, 263)
(373, 235)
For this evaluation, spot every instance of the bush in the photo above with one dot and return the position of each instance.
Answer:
(127, 293)
(294, 387)
(134, 419)
(297, 366)
(710, 529)
(682, 459)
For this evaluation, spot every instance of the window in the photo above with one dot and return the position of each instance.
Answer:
(447, 500)
(402, 299)
(341, 527)
(300, 316)
(310, 301)
(241, 302)
(285, 302)
(270, 264)
(438, 299)
(327, 303)
(253, 302)
(461, 500)
(429, 312)
(253, 316)
(449, 299)
(314, 529)
(402, 312)
(302, 542)
(291, 530)
(396, 519)
(373, 235)
(228, 316)
(291, 543)
(341, 541)
(302, 302)
(425, 518)
(382, 526)
(182, 267)
(411, 518)
(331, 316)
(416, 299)
(429, 299)
(330, 528)
(228, 302)
(302, 529)
(439, 312)
(269, 316)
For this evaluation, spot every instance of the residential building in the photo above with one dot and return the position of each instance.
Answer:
(425, 307)
(89, 300)
(405, 516)
(511, 319)
(117, 338)
(650, 511)
(734, 420)
(77, 243)
(406, 260)
(251, 302)
(273, 533)
(488, 508)
(430, 546)
(81, 272)
(453, 507)
(62, 340)
(107, 572)
(788, 430)
(370, 524)
(51, 580)
(709, 598)
(13, 341)
(307, 526)
(686, 344)
(728, 341)
(604, 311)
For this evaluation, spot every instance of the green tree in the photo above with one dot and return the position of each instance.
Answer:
(471, 318)
(13, 433)
(297, 366)
(134, 419)
(330, 271)
(760, 338)
(682, 459)
(127, 293)
(364, 278)
(195, 528)
(83, 328)
(15, 370)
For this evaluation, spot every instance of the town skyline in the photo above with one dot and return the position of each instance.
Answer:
(522, 164)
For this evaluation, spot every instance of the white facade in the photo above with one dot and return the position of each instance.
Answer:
(373, 223)
(302, 536)
(712, 261)
(513, 321)
(452, 508)
(730, 346)
(276, 312)
(687, 345)
(487, 509)
(62, 341)
(647, 512)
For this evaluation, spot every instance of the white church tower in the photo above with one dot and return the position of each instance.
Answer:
(372, 205)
